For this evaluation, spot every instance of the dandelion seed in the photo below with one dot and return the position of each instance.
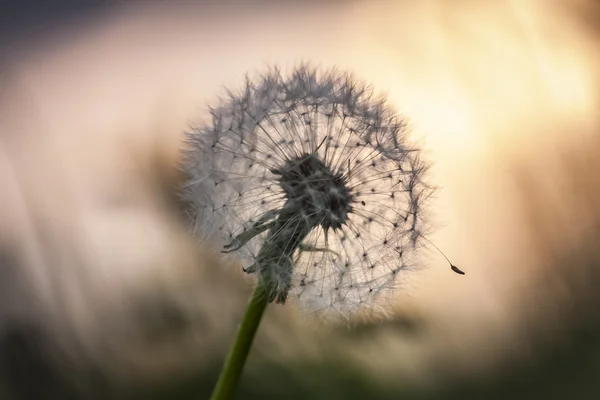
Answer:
(314, 185)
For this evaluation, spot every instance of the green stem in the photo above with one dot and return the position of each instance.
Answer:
(234, 364)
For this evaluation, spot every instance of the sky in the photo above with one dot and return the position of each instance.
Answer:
(92, 97)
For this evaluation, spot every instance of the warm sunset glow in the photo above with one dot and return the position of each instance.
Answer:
(485, 84)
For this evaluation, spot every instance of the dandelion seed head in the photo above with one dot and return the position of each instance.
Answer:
(312, 182)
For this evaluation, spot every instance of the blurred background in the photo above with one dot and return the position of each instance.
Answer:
(103, 294)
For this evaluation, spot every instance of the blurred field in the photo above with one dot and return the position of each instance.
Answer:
(105, 295)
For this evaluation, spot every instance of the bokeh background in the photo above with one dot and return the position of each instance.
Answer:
(103, 294)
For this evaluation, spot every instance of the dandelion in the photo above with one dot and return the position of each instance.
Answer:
(312, 182)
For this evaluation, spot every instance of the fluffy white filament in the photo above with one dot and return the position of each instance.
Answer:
(234, 189)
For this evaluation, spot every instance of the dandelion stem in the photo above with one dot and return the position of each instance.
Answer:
(234, 364)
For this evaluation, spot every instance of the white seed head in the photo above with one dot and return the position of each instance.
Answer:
(311, 181)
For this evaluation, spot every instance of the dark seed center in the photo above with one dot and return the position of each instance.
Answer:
(318, 193)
